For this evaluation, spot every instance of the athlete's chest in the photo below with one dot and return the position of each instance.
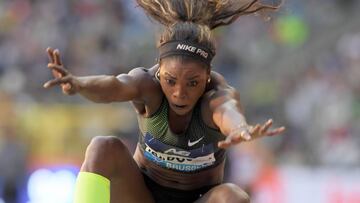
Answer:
(179, 124)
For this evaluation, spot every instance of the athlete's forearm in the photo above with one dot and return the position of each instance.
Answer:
(104, 89)
(229, 116)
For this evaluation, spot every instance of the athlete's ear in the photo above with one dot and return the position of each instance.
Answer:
(208, 72)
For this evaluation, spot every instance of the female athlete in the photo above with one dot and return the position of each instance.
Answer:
(187, 114)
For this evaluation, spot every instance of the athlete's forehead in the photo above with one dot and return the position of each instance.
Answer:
(176, 69)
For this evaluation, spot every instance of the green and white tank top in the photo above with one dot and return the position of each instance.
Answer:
(192, 151)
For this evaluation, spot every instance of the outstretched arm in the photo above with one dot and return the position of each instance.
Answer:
(100, 89)
(228, 115)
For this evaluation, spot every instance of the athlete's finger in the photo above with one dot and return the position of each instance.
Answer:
(58, 68)
(276, 131)
(57, 57)
(225, 143)
(50, 51)
(55, 73)
(266, 126)
(245, 135)
(56, 81)
(255, 130)
(236, 138)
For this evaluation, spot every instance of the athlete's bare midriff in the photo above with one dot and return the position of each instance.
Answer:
(179, 180)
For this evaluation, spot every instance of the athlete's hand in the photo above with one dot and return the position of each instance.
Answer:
(69, 83)
(248, 133)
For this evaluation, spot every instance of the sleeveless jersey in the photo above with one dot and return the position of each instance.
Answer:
(192, 151)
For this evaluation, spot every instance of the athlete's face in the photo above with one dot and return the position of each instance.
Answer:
(183, 83)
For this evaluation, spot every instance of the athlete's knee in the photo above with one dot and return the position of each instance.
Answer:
(107, 145)
(231, 193)
(103, 155)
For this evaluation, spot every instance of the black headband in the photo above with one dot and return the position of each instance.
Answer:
(188, 49)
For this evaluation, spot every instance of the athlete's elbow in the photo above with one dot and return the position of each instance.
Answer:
(102, 99)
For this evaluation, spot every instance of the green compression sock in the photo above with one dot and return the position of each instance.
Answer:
(92, 188)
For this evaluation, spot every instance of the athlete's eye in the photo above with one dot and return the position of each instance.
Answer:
(193, 83)
(170, 82)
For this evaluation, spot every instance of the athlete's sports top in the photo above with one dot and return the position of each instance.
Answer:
(192, 151)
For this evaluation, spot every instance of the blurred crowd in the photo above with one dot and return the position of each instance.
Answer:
(300, 66)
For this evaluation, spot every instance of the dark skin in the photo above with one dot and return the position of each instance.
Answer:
(182, 83)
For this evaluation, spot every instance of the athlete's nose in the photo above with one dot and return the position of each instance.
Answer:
(180, 92)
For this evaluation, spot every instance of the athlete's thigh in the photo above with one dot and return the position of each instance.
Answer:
(128, 185)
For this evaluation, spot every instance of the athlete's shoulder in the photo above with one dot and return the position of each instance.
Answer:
(218, 84)
(219, 91)
(217, 80)
(149, 89)
(141, 73)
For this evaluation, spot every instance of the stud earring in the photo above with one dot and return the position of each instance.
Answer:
(208, 80)
(157, 75)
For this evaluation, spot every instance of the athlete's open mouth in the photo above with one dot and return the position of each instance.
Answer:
(179, 106)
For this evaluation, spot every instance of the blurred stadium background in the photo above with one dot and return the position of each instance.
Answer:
(301, 68)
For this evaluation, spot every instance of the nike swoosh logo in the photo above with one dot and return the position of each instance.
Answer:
(190, 144)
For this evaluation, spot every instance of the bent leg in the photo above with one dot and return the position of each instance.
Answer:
(108, 157)
(225, 193)
(92, 188)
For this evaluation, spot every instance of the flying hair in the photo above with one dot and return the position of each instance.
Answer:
(193, 20)
(213, 13)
